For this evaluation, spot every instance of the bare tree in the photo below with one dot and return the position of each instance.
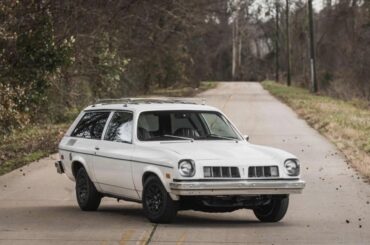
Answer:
(277, 46)
(287, 7)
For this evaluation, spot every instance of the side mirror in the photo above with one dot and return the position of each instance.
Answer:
(246, 137)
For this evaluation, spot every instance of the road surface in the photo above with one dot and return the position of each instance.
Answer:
(37, 206)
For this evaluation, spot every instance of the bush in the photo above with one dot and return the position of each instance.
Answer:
(11, 116)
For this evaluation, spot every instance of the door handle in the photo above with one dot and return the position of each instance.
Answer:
(97, 148)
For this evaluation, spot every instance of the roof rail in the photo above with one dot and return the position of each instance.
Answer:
(151, 100)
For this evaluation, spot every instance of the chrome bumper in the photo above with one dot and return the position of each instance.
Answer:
(245, 187)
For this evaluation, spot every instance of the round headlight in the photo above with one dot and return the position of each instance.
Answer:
(186, 168)
(292, 167)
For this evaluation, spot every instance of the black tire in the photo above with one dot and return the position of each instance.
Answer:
(157, 203)
(274, 211)
(88, 197)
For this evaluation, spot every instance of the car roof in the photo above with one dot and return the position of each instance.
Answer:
(140, 107)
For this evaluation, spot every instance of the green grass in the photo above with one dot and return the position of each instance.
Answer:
(28, 145)
(345, 123)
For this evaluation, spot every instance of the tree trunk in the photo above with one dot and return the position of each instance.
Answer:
(314, 87)
(288, 44)
(277, 51)
(237, 48)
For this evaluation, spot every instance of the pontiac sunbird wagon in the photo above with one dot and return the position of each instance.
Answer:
(170, 155)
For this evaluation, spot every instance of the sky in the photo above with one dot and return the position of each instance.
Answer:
(318, 4)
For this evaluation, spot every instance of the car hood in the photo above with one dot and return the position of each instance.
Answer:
(228, 151)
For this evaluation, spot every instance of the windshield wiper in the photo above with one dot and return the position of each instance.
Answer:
(221, 137)
(178, 137)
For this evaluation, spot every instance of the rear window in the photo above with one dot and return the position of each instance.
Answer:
(91, 125)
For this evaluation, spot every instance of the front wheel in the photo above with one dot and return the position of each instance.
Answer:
(274, 211)
(157, 203)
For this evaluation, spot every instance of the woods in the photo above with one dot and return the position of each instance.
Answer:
(58, 56)
(341, 39)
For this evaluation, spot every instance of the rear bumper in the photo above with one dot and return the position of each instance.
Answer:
(245, 187)
(59, 166)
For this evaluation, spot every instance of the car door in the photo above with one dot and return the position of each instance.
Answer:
(112, 165)
(84, 137)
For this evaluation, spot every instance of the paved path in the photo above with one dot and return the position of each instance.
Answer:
(37, 206)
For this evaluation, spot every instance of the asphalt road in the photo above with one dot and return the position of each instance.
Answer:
(37, 206)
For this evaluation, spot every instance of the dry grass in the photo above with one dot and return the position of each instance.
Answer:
(28, 145)
(345, 123)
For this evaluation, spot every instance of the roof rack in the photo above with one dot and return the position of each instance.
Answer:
(152, 100)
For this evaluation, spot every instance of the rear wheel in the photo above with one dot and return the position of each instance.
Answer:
(274, 211)
(88, 197)
(157, 203)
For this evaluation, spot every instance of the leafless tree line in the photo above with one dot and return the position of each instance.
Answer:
(341, 40)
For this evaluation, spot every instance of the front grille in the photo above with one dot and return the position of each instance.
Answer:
(221, 172)
(263, 171)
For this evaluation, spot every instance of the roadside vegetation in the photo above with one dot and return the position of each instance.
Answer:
(31, 143)
(58, 56)
(345, 123)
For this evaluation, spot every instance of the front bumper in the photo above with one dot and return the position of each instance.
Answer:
(244, 187)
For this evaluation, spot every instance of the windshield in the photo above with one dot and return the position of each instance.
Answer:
(184, 125)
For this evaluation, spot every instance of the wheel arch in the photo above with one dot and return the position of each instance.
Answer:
(146, 175)
(76, 165)
(154, 171)
(79, 162)
(150, 171)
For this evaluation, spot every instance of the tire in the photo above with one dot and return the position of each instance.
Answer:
(88, 197)
(274, 211)
(157, 203)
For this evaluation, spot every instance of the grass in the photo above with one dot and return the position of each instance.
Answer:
(28, 145)
(345, 123)
(184, 91)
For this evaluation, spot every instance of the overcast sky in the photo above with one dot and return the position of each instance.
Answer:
(318, 4)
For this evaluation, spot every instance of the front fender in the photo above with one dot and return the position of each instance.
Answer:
(160, 172)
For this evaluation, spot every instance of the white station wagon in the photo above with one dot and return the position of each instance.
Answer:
(170, 155)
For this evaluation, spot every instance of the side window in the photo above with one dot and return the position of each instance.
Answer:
(120, 127)
(91, 125)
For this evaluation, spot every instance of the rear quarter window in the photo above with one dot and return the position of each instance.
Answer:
(91, 125)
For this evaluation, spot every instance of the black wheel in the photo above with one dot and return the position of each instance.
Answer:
(274, 211)
(157, 203)
(88, 197)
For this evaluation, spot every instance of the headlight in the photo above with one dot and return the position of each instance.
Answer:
(187, 168)
(292, 167)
